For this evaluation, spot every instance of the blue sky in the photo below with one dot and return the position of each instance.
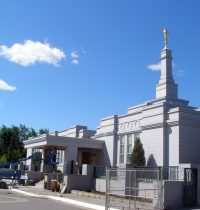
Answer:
(70, 62)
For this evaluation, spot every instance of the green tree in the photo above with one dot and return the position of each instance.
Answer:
(43, 131)
(32, 133)
(24, 132)
(11, 141)
(10, 144)
(3, 159)
(137, 156)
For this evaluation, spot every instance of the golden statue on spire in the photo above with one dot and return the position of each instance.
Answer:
(165, 32)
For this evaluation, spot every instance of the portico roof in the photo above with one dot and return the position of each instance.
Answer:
(63, 141)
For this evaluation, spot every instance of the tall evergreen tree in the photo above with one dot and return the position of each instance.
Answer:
(137, 156)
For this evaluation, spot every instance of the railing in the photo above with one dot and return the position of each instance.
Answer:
(172, 173)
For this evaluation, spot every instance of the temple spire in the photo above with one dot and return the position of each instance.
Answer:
(166, 87)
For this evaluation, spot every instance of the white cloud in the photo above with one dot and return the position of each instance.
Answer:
(31, 52)
(5, 86)
(154, 67)
(75, 57)
(75, 61)
(157, 67)
(74, 54)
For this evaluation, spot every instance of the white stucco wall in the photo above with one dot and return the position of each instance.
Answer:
(107, 131)
(173, 148)
(189, 136)
(108, 150)
(189, 144)
(152, 140)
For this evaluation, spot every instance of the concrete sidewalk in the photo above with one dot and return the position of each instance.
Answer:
(77, 199)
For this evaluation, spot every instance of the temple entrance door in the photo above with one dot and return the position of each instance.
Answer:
(85, 158)
(93, 159)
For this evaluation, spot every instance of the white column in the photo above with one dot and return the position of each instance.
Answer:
(42, 163)
(29, 162)
(125, 149)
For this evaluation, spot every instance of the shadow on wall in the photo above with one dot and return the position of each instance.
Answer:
(151, 161)
(106, 156)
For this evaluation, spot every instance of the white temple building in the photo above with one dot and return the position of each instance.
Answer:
(167, 126)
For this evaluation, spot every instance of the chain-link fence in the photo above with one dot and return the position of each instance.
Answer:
(133, 189)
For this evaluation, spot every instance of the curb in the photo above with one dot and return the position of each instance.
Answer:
(65, 200)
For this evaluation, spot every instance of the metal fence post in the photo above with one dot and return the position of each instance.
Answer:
(107, 189)
(135, 189)
(129, 183)
(160, 190)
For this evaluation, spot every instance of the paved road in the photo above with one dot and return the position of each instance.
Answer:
(12, 201)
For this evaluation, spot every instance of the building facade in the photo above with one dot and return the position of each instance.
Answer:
(167, 126)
